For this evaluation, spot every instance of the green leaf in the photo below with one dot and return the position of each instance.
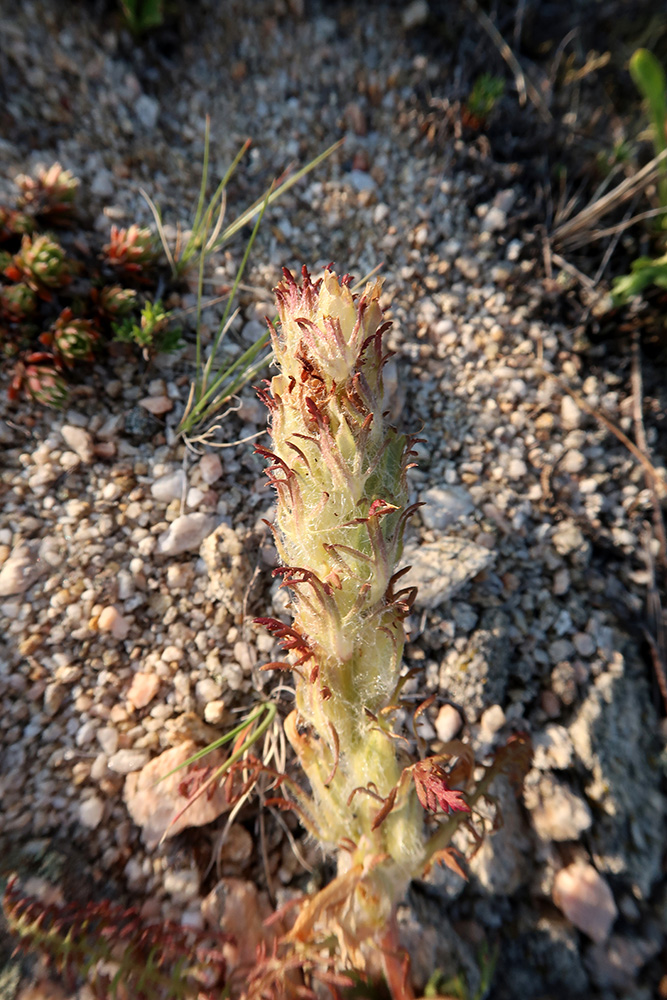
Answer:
(650, 80)
(142, 14)
(645, 272)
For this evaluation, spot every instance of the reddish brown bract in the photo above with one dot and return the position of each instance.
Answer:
(433, 789)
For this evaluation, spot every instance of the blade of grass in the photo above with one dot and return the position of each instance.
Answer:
(195, 240)
(256, 713)
(249, 213)
(232, 295)
(160, 228)
(204, 175)
(249, 368)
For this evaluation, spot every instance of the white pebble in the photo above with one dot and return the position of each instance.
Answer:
(171, 654)
(185, 534)
(111, 620)
(492, 720)
(91, 812)
(194, 497)
(126, 761)
(448, 723)
(79, 441)
(169, 487)
(210, 468)
(570, 414)
(573, 461)
(214, 712)
(107, 737)
(517, 469)
(586, 900)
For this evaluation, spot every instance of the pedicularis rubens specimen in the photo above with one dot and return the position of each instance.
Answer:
(339, 471)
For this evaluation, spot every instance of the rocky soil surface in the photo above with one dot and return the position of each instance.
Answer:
(131, 566)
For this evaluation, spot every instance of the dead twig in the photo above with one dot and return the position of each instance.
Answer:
(572, 270)
(523, 85)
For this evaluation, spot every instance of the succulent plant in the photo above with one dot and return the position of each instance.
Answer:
(114, 301)
(13, 223)
(50, 195)
(40, 380)
(17, 302)
(41, 264)
(72, 338)
(130, 249)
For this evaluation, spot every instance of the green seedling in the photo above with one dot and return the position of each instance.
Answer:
(486, 92)
(152, 332)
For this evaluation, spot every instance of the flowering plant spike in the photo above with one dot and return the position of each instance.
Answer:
(339, 471)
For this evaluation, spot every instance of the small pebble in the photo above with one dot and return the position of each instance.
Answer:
(80, 441)
(573, 461)
(214, 712)
(107, 737)
(143, 689)
(493, 720)
(125, 761)
(185, 534)
(570, 414)
(210, 468)
(169, 487)
(91, 812)
(157, 405)
(584, 644)
(111, 620)
(448, 723)
(586, 900)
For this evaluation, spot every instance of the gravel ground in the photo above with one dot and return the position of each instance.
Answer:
(131, 566)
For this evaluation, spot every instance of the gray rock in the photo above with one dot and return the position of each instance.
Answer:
(500, 865)
(445, 505)
(103, 184)
(612, 738)
(229, 567)
(440, 569)
(414, 14)
(126, 761)
(617, 963)
(476, 677)
(140, 425)
(432, 943)
(360, 180)
(544, 960)
(147, 110)
(557, 813)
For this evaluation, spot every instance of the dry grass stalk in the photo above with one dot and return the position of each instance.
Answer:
(578, 231)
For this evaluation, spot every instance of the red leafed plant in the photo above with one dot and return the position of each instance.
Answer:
(109, 944)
